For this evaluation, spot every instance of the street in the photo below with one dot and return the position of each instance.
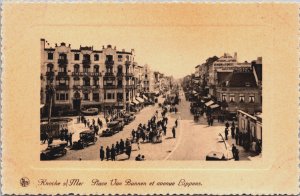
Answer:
(193, 140)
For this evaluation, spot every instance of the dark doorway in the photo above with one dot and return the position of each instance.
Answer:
(76, 104)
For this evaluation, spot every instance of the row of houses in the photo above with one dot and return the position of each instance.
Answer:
(89, 77)
(234, 85)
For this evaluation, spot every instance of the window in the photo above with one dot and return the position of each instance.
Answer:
(49, 67)
(251, 99)
(62, 56)
(96, 57)
(109, 57)
(62, 69)
(86, 81)
(96, 68)
(62, 96)
(224, 97)
(110, 96)
(119, 58)
(85, 69)
(76, 81)
(76, 68)
(86, 57)
(242, 98)
(231, 98)
(85, 96)
(76, 57)
(50, 56)
(96, 96)
(95, 81)
(120, 96)
(63, 82)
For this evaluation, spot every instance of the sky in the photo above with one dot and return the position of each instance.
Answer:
(172, 39)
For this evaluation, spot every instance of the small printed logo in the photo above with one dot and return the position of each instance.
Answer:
(24, 182)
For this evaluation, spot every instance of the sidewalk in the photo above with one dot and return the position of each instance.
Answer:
(243, 155)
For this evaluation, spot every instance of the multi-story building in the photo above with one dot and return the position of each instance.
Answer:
(239, 90)
(86, 77)
(148, 80)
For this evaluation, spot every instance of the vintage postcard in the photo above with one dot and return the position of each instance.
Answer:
(150, 98)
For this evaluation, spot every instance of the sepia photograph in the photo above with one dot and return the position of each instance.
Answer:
(149, 98)
(111, 104)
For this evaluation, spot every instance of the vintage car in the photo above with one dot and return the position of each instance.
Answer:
(57, 148)
(90, 111)
(112, 128)
(129, 117)
(216, 156)
(149, 102)
(121, 121)
(86, 138)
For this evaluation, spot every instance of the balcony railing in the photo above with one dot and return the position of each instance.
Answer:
(108, 74)
(62, 74)
(62, 61)
(62, 87)
(109, 86)
(120, 74)
(109, 63)
(119, 86)
(85, 87)
(86, 74)
(86, 61)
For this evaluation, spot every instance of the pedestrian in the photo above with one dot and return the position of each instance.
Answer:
(226, 124)
(122, 146)
(232, 132)
(70, 139)
(237, 138)
(211, 121)
(208, 120)
(113, 152)
(165, 130)
(85, 123)
(233, 124)
(101, 153)
(237, 157)
(174, 132)
(233, 150)
(107, 153)
(133, 134)
(226, 133)
(117, 148)
(128, 151)
(176, 123)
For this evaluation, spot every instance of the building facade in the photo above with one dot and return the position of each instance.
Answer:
(85, 77)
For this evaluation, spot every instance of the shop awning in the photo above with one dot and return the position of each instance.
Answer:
(214, 106)
(41, 106)
(135, 102)
(194, 92)
(146, 98)
(141, 100)
(209, 103)
(132, 103)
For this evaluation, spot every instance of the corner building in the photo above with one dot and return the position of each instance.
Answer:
(86, 77)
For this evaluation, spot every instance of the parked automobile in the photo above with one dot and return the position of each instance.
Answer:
(149, 102)
(112, 128)
(216, 156)
(86, 138)
(121, 121)
(128, 118)
(90, 111)
(57, 148)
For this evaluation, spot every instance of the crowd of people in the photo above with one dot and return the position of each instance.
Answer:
(241, 139)
(151, 132)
